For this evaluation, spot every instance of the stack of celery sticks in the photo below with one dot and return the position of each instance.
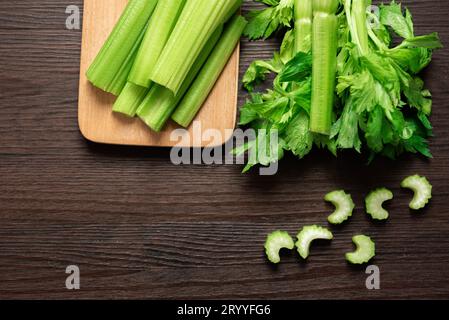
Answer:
(163, 57)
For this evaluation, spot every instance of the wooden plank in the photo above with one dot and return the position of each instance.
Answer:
(99, 124)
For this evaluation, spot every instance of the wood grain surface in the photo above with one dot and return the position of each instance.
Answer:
(140, 227)
(99, 124)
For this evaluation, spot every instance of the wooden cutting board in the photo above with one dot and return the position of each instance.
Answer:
(99, 124)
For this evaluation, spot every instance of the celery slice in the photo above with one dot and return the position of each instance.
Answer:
(209, 74)
(275, 242)
(343, 206)
(157, 34)
(374, 202)
(198, 20)
(129, 99)
(309, 234)
(110, 68)
(422, 191)
(159, 104)
(325, 27)
(366, 250)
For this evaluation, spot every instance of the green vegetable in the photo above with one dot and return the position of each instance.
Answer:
(263, 23)
(258, 70)
(129, 99)
(303, 25)
(307, 235)
(375, 77)
(275, 242)
(381, 105)
(366, 250)
(159, 104)
(324, 64)
(159, 29)
(198, 20)
(343, 206)
(109, 71)
(210, 72)
(374, 202)
(283, 111)
(422, 191)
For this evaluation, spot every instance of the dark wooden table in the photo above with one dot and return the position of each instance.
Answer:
(140, 227)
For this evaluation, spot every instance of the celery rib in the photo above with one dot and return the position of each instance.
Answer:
(324, 46)
(110, 68)
(129, 99)
(159, 104)
(198, 20)
(303, 25)
(157, 34)
(209, 74)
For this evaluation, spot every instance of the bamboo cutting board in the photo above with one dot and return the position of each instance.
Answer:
(99, 124)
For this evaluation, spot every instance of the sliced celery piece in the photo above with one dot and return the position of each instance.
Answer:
(366, 250)
(307, 235)
(344, 206)
(198, 20)
(159, 104)
(157, 34)
(129, 99)
(374, 202)
(209, 74)
(276, 241)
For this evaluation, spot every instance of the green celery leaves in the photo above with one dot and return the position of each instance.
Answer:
(382, 106)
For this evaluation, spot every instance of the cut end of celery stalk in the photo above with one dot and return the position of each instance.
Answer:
(129, 99)
(157, 107)
(109, 70)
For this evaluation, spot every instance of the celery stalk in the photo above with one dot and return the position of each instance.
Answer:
(159, 29)
(324, 48)
(303, 25)
(110, 68)
(198, 20)
(356, 17)
(129, 99)
(209, 74)
(159, 104)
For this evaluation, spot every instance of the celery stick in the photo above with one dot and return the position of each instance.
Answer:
(356, 16)
(109, 67)
(303, 25)
(209, 74)
(231, 10)
(159, 104)
(324, 48)
(129, 99)
(159, 29)
(198, 20)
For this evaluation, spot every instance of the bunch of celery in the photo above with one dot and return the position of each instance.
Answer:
(164, 57)
(340, 82)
